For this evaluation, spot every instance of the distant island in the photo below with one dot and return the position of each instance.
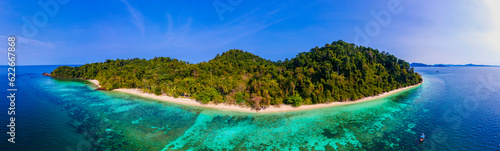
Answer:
(337, 72)
(450, 65)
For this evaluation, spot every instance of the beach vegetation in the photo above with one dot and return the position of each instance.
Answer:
(338, 71)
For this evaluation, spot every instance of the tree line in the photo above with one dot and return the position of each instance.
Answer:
(338, 71)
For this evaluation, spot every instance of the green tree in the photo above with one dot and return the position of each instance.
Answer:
(338, 71)
(296, 100)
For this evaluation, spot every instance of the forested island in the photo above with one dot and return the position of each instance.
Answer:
(338, 71)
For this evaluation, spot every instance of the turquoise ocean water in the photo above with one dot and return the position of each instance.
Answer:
(458, 108)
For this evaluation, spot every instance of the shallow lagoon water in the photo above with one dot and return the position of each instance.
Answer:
(57, 114)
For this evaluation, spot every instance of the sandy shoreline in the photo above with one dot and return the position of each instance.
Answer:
(95, 82)
(270, 109)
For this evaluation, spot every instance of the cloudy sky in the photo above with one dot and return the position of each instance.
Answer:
(77, 32)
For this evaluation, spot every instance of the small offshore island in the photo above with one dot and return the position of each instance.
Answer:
(240, 81)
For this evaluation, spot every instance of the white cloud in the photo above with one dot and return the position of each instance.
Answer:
(455, 32)
(136, 15)
(493, 35)
(32, 43)
(179, 34)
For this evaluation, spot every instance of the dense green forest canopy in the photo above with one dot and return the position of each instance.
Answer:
(338, 71)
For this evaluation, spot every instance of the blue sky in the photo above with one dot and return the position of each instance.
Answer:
(79, 32)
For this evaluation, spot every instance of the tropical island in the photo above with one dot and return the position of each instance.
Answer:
(336, 72)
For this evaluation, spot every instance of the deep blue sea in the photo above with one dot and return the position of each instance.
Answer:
(458, 108)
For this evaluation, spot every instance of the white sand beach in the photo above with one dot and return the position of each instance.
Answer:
(270, 109)
(95, 82)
